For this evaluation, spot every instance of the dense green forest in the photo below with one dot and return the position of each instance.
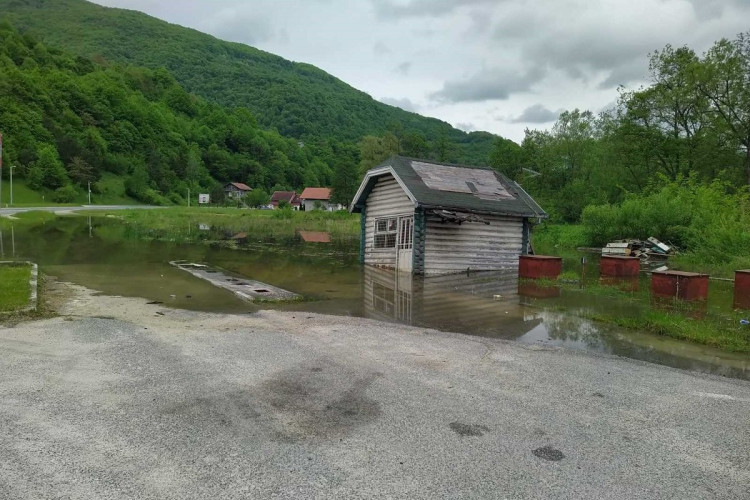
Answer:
(670, 160)
(67, 119)
(690, 124)
(299, 100)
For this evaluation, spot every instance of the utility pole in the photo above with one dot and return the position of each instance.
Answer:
(89, 192)
(11, 185)
(188, 196)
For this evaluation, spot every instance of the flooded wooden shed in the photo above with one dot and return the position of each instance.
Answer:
(435, 218)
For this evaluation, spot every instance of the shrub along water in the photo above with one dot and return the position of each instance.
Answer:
(710, 224)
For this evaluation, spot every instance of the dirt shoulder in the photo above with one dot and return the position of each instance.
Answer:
(117, 398)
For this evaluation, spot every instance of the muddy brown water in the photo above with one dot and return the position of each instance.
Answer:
(109, 256)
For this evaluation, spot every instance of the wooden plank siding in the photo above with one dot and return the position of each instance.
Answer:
(387, 199)
(451, 248)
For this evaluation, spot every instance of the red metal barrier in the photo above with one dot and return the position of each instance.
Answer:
(539, 266)
(742, 289)
(679, 285)
(619, 266)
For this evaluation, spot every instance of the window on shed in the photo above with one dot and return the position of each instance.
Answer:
(385, 232)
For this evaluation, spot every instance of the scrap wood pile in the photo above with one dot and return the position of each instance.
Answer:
(648, 249)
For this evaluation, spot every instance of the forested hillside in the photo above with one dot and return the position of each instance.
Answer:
(690, 124)
(671, 159)
(298, 100)
(66, 120)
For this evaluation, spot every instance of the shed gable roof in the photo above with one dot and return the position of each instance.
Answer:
(452, 187)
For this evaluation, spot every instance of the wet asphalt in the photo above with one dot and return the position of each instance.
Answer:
(175, 404)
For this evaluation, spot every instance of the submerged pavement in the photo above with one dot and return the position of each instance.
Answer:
(119, 399)
(57, 209)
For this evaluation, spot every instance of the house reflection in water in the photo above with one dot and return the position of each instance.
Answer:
(478, 303)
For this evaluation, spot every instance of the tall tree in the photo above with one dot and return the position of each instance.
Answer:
(724, 79)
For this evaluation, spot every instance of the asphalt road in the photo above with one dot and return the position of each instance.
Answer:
(124, 400)
(58, 209)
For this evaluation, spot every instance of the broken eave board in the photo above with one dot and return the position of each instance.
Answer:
(457, 217)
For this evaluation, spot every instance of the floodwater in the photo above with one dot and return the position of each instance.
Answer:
(108, 255)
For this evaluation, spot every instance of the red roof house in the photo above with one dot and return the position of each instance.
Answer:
(317, 197)
(236, 189)
(288, 196)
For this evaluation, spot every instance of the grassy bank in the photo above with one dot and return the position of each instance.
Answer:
(177, 223)
(14, 287)
(109, 190)
(721, 332)
(563, 240)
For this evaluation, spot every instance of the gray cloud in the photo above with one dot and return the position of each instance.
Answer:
(405, 104)
(488, 85)
(387, 9)
(237, 25)
(380, 48)
(466, 127)
(403, 68)
(536, 114)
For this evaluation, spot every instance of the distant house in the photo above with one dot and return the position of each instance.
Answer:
(435, 218)
(236, 190)
(314, 197)
(287, 196)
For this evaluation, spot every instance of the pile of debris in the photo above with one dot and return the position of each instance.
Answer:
(650, 249)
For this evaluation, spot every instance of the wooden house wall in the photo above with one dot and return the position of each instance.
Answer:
(387, 199)
(451, 248)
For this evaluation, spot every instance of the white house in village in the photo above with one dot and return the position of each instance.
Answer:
(318, 197)
(435, 218)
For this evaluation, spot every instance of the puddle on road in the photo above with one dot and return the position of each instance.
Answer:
(109, 257)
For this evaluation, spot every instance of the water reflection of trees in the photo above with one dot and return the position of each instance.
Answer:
(569, 328)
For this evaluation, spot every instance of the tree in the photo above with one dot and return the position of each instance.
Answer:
(80, 172)
(345, 183)
(507, 157)
(257, 198)
(53, 173)
(724, 79)
(373, 150)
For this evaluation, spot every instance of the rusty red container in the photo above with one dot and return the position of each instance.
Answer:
(679, 285)
(742, 289)
(619, 266)
(539, 266)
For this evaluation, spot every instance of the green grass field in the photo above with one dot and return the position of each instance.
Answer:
(175, 222)
(109, 190)
(14, 287)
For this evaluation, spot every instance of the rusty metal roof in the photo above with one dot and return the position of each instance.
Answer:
(316, 193)
(289, 196)
(240, 186)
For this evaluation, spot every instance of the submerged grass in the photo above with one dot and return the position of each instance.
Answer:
(724, 333)
(686, 321)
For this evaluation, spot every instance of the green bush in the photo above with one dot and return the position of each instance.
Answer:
(65, 194)
(283, 213)
(705, 220)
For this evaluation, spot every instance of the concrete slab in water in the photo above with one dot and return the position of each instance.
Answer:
(244, 288)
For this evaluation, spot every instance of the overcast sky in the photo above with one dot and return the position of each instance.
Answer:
(495, 65)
